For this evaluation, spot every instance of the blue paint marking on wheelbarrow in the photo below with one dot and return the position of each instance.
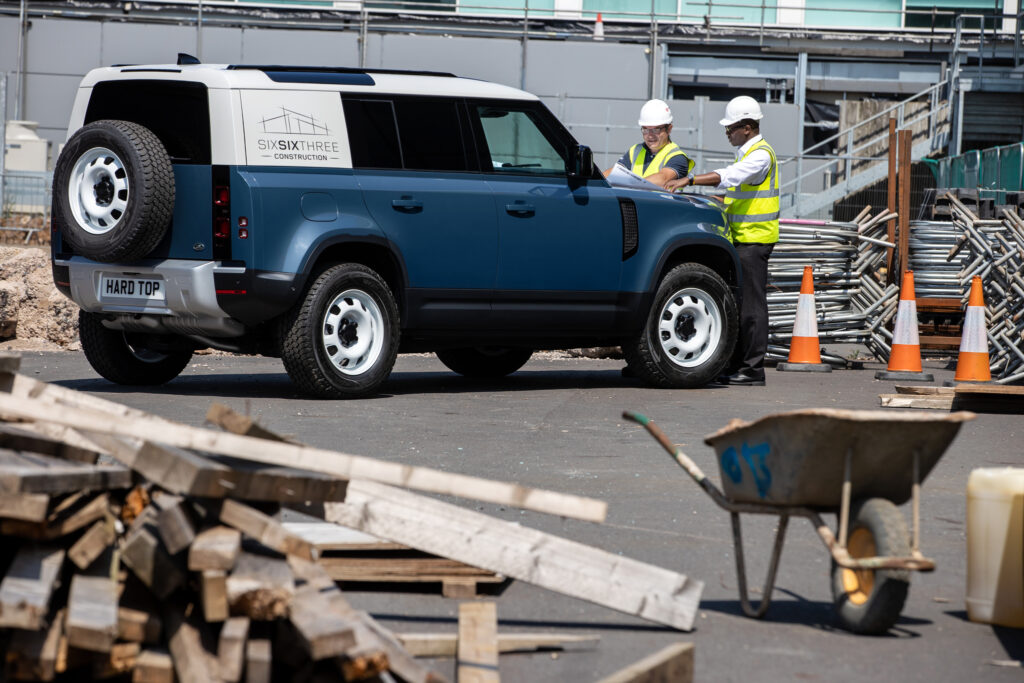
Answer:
(857, 464)
(731, 467)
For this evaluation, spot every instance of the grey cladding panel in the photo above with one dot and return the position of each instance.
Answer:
(48, 100)
(47, 46)
(586, 69)
(306, 48)
(146, 44)
(496, 60)
(221, 46)
(8, 43)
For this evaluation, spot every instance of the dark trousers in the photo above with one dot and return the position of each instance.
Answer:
(753, 338)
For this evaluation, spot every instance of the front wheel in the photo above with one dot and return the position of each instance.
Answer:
(484, 361)
(125, 358)
(869, 601)
(690, 331)
(341, 341)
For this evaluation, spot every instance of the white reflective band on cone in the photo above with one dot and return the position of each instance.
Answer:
(906, 324)
(805, 325)
(974, 339)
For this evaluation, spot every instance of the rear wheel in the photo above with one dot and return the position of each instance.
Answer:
(125, 358)
(869, 601)
(484, 361)
(341, 341)
(690, 330)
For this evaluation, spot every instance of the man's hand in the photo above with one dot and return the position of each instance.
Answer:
(677, 184)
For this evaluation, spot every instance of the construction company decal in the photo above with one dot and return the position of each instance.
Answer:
(289, 128)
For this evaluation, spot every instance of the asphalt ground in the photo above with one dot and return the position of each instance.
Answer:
(557, 424)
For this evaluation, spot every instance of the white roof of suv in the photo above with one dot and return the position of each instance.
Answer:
(244, 77)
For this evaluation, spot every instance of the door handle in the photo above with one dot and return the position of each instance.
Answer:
(520, 209)
(407, 205)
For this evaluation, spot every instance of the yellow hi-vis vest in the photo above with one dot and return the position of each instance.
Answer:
(638, 154)
(753, 210)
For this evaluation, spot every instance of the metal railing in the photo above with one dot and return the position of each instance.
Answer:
(26, 203)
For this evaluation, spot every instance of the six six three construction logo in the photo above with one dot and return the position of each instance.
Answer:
(294, 130)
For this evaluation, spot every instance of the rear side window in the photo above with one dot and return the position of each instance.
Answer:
(412, 133)
(178, 113)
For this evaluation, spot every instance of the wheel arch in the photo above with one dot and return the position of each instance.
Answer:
(372, 252)
(715, 254)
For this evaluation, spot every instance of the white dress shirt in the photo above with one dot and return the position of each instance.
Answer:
(751, 170)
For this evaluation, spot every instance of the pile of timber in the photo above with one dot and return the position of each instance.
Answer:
(979, 397)
(140, 548)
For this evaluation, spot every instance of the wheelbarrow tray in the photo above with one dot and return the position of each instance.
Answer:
(798, 458)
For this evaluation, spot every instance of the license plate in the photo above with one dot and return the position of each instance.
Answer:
(113, 287)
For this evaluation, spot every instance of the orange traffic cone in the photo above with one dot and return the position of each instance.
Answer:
(804, 351)
(972, 363)
(598, 28)
(905, 356)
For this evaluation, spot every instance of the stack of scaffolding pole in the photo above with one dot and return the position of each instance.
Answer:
(845, 258)
(994, 251)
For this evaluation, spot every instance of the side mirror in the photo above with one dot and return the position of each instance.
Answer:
(581, 163)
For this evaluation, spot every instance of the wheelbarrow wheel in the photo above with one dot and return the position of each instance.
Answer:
(869, 601)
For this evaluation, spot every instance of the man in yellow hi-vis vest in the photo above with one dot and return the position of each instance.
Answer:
(657, 159)
(751, 186)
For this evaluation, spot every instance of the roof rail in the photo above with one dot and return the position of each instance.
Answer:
(338, 70)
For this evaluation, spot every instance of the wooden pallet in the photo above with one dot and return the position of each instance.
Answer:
(353, 557)
(983, 398)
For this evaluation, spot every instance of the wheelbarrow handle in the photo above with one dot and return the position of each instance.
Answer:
(677, 454)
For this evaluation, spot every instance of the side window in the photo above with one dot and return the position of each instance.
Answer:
(516, 143)
(431, 135)
(372, 136)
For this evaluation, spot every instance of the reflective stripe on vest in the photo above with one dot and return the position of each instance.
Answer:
(753, 210)
(638, 153)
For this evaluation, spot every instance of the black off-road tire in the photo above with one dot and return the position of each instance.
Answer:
(315, 332)
(870, 601)
(481, 362)
(140, 205)
(123, 358)
(699, 294)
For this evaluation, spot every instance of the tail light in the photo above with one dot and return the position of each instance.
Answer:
(221, 238)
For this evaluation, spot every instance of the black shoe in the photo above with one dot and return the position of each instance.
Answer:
(750, 378)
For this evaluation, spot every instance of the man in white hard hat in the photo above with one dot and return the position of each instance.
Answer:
(751, 186)
(657, 159)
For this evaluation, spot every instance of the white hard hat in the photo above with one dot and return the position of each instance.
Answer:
(740, 108)
(655, 113)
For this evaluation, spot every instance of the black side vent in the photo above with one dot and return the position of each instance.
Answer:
(630, 228)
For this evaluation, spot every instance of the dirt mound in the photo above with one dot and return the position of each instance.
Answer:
(41, 317)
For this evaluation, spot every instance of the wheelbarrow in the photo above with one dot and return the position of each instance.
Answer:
(858, 464)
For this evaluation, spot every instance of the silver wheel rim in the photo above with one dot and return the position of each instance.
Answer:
(689, 327)
(98, 190)
(353, 332)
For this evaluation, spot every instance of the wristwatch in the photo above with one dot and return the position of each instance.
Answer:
(690, 177)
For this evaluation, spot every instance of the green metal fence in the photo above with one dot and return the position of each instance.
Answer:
(995, 168)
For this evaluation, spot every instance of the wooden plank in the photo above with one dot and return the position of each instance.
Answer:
(924, 390)
(25, 472)
(236, 423)
(192, 662)
(214, 590)
(147, 558)
(478, 643)
(92, 613)
(153, 666)
(258, 661)
(23, 438)
(120, 660)
(174, 522)
(138, 626)
(322, 632)
(28, 507)
(333, 537)
(939, 304)
(231, 648)
(260, 587)
(92, 543)
(264, 529)
(69, 516)
(988, 390)
(445, 644)
(32, 655)
(558, 564)
(370, 635)
(403, 569)
(335, 463)
(937, 402)
(26, 589)
(672, 663)
(215, 548)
